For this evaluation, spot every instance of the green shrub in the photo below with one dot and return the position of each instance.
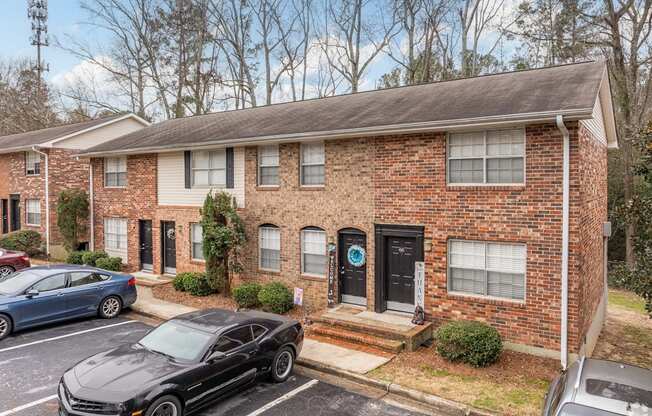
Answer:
(179, 282)
(246, 295)
(28, 241)
(474, 343)
(276, 298)
(90, 257)
(76, 257)
(197, 284)
(113, 264)
(621, 276)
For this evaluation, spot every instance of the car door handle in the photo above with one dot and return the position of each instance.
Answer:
(60, 294)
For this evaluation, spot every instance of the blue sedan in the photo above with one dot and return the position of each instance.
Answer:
(46, 294)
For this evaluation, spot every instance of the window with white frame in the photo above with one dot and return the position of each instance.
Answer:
(487, 157)
(115, 171)
(197, 241)
(115, 237)
(313, 251)
(312, 164)
(32, 163)
(269, 241)
(487, 269)
(209, 168)
(268, 163)
(33, 212)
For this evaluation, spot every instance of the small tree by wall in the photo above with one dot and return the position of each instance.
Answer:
(72, 217)
(223, 238)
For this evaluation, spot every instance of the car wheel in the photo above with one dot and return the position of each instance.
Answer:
(283, 364)
(6, 271)
(165, 406)
(110, 307)
(5, 326)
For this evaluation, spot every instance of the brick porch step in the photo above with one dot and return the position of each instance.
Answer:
(388, 345)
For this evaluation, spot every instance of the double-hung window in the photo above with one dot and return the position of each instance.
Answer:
(33, 211)
(270, 247)
(209, 168)
(115, 171)
(197, 241)
(32, 163)
(487, 269)
(313, 251)
(268, 165)
(487, 157)
(312, 164)
(115, 237)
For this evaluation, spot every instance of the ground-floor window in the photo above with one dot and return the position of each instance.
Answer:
(33, 211)
(197, 241)
(269, 241)
(313, 251)
(115, 237)
(487, 269)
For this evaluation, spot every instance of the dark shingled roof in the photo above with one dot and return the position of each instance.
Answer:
(36, 137)
(554, 89)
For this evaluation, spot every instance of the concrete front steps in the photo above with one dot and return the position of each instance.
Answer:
(389, 331)
(149, 279)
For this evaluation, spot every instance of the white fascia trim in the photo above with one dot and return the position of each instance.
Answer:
(51, 143)
(608, 115)
(420, 127)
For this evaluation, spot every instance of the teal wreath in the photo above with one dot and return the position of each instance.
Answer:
(356, 255)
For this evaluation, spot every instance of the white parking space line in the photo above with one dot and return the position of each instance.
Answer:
(28, 405)
(41, 341)
(281, 399)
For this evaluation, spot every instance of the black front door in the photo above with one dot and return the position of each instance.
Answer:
(5, 216)
(15, 212)
(353, 266)
(146, 253)
(168, 237)
(401, 255)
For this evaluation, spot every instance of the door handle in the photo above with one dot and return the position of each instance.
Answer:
(60, 294)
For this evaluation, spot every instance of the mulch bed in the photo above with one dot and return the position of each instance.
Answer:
(168, 293)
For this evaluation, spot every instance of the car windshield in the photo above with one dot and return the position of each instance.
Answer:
(177, 341)
(17, 282)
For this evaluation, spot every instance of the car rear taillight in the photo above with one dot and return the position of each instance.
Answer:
(131, 282)
(24, 258)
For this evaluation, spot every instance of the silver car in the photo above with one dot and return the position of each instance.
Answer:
(598, 387)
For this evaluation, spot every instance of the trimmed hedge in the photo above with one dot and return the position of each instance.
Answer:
(246, 295)
(76, 257)
(113, 264)
(90, 257)
(196, 284)
(28, 241)
(470, 342)
(276, 298)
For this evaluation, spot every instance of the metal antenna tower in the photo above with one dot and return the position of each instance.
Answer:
(37, 12)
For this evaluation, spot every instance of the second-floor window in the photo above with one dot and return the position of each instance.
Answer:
(487, 157)
(312, 164)
(209, 168)
(268, 163)
(32, 163)
(115, 171)
(33, 212)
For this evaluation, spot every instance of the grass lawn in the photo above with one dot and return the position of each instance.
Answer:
(516, 384)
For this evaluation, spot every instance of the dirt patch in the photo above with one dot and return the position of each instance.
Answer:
(168, 293)
(514, 385)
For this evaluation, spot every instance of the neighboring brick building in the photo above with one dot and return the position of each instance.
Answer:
(466, 176)
(23, 180)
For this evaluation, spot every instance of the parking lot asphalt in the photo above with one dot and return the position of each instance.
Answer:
(32, 362)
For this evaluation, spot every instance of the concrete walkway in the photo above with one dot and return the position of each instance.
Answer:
(147, 304)
(339, 357)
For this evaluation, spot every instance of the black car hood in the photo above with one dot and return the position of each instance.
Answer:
(123, 369)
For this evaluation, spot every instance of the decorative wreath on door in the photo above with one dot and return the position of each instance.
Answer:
(171, 234)
(356, 255)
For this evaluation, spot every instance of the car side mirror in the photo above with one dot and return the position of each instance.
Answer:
(31, 293)
(216, 356)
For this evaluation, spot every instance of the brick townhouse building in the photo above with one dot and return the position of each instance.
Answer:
(36, 166)
(496, 184)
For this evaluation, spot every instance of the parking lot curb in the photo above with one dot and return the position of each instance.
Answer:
(440, 404)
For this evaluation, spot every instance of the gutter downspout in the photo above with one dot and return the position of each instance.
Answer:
(91, 191)
(564, 239)
(47, 200)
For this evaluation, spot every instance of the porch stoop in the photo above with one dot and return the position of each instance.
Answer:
(389, 331)
(149, 279)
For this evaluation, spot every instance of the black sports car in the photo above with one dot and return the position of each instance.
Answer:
(183, 365)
